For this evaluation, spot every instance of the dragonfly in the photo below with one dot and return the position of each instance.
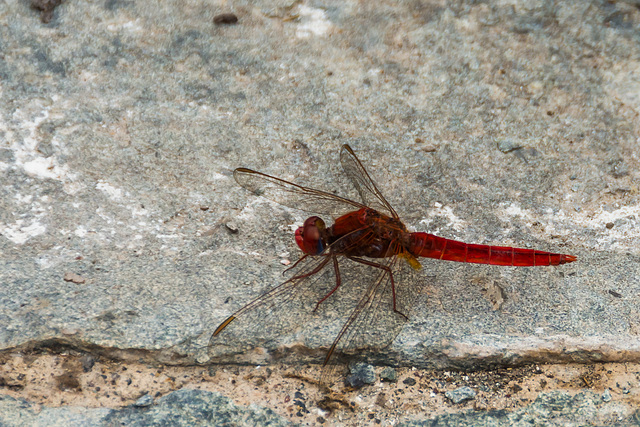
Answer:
(369, 234)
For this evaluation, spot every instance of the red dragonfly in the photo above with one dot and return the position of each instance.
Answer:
(368, 234)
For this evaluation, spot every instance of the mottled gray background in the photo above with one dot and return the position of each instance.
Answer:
(502, 122)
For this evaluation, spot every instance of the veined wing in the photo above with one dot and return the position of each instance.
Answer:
(277, 311)
(284, 308)
(368, 190)
(373, 324)
(293, 195)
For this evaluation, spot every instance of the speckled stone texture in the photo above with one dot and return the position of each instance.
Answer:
(122, 231)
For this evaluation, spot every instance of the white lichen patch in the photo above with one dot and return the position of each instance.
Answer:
(313, 22)
(453, 221)
(612, 228)
(512, 210)
(625, 229)
(24, 144)
(19, 232)
(549, 219)
(112, 192)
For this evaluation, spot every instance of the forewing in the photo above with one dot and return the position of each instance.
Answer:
(293, 195)
(365, 186)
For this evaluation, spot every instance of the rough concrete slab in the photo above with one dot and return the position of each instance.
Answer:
(196, 407)
(180, 408)
(63, 383)
(510, 123)
(555, 408)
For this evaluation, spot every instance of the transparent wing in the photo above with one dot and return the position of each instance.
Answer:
(368, 190)
(293, 195)
(365, 299)
(373, 323)
(283, 309)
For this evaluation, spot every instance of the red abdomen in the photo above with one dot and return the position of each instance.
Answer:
(430, 246)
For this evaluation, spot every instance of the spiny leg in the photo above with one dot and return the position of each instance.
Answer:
(295, 263)
(315, 270)
(312, 272)
(388, 271)
(336, 269)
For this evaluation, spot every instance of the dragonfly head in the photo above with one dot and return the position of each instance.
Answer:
(310, 237)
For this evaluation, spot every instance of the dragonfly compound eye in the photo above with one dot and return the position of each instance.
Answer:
(309, 236)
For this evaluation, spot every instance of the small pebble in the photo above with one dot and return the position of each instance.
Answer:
(225, 19)
(73, 277)
(606, 396)
(87, 362)
(388, 374)
(360, 374)
(231, 226)
(145, 400)
(461, 394)
(409, 381)
(507, 145)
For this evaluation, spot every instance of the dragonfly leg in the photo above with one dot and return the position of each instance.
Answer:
(311, 273)
(295, 263)
(338, 282)
(390, 273)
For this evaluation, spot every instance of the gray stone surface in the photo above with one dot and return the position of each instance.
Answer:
(388, 374)
(195, 407)
(509, 123)
(549, 409)
(461, 394)
(360, 374)
(145, 400)
(180, 408)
